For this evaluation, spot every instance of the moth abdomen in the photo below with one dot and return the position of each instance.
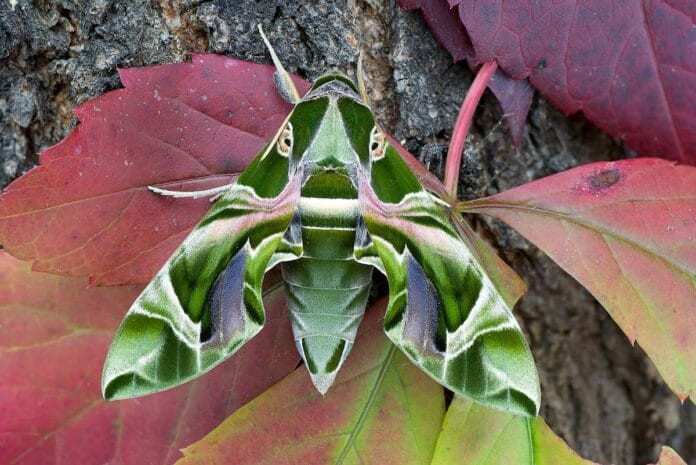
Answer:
(327, 289)
(327, 300)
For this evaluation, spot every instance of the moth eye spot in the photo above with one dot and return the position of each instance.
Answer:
(285, 141)
(377, 143)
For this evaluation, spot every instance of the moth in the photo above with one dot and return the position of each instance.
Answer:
(328, 200)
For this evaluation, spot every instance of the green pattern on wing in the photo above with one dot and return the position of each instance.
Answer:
(443, 311)
(206, 301)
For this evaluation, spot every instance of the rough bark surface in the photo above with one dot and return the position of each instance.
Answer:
(600, 394)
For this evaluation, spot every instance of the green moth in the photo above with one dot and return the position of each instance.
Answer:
(329, 200)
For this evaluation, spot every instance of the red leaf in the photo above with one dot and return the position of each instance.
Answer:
(627, 231)
(445, 24)
(54, 335)
(515, 97)
(628, 66)
(188, 125)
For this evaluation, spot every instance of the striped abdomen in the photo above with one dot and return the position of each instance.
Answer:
(327, 289)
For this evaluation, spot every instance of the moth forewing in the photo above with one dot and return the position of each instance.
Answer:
(206, 302)
(443, 311)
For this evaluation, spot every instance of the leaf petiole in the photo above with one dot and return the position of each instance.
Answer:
(461, 126)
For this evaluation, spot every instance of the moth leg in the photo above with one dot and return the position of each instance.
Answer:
(215, 192)
(282, 79)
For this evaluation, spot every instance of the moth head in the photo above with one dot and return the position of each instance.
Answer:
(335, 84)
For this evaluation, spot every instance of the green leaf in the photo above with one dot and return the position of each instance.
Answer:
(477, 435)
(381, 409)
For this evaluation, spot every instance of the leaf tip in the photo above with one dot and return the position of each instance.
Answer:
(632, 335)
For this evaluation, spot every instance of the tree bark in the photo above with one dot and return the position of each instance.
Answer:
(601, 395)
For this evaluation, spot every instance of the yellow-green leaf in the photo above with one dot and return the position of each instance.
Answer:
(477, 435)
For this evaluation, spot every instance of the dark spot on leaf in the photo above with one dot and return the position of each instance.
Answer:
(541, 64)
(604, 179)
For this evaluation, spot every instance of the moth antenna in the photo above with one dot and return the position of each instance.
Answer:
(361, 79)
(361, 85)
(215, 192)
(282, 78)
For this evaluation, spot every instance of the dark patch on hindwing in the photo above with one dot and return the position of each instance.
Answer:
(225, 304)
(421, 315)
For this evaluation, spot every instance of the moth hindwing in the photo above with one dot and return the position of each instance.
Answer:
(329, 200)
